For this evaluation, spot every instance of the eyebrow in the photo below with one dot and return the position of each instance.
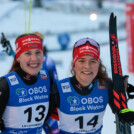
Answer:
(91, 58)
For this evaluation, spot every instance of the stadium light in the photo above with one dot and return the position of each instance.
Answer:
(93, 16)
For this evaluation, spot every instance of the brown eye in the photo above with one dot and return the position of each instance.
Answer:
(81, 60)
(28, 53)
(38, 52)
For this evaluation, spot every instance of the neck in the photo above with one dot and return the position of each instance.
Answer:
(27, 78)
(79, 88)
(82, 83)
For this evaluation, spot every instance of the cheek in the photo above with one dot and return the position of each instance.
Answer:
(77, 68)
(96, 68)
(42, 59)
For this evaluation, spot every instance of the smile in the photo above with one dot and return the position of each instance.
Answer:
(87, 73)
(34, 65)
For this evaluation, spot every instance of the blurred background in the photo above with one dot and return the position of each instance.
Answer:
(63, 22)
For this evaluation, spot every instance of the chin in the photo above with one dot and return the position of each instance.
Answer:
(33, 73)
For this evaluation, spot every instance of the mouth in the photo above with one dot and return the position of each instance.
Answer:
(87, 73)
(35, 65)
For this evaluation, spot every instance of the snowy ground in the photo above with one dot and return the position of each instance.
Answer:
(12, 23)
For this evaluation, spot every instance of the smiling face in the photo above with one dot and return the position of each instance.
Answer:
(86, 69)
(31, 61)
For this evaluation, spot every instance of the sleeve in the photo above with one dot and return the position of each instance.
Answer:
(4, 97)
(50, 65)
(52, 101)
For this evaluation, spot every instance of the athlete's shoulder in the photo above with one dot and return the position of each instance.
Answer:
(63, 80)
(3, 84)
(50, 62)
(49, 58)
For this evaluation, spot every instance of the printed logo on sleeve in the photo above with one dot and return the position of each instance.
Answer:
(65, 87)
(13, 80)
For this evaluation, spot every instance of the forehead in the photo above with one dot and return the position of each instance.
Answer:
(87, 58)
(33, 50)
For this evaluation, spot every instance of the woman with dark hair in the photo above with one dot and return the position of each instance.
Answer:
(26, 90)
(82, 99)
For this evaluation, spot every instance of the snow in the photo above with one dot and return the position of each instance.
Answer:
(52, 23)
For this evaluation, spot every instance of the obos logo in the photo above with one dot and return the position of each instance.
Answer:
(73, 100)
(21, 92)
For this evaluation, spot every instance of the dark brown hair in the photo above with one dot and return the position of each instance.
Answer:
(102, 75)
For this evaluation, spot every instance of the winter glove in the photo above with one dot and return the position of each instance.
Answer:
(128, 87)
(1, 125)
(130, 91)
(4, 41)
(125, 78)
(6, 44)
(127, 115)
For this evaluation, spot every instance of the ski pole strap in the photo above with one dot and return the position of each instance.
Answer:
(126, 110)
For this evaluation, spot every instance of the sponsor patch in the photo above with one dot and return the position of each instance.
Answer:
(65, 87)
(43, 74)
(13, 80)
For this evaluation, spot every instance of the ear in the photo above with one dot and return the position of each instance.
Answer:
(18, 59)
(99, 61)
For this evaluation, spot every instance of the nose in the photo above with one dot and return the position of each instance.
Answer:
(87, 64)
(33, 57)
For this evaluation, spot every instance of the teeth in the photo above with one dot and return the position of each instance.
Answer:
(87, 72)
(35, 65)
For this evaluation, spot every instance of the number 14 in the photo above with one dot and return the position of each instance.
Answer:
(92, 122)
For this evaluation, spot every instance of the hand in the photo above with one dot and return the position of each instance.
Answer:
(130, 91)
(128, 87)
(126, 115)
(125, 78)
